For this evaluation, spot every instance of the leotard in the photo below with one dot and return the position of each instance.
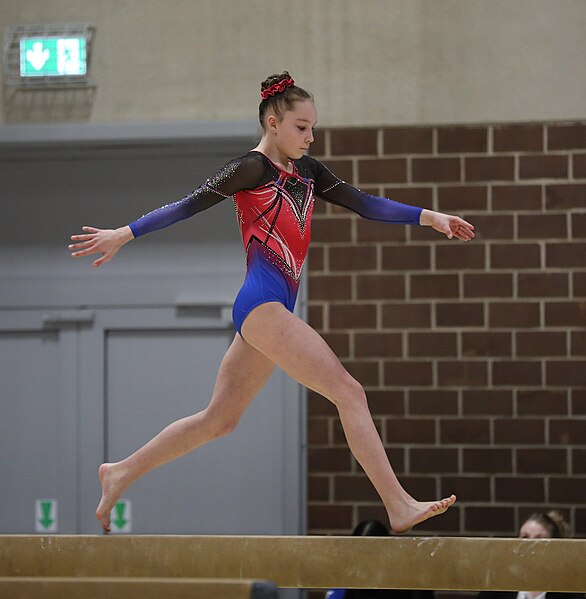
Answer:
(274, 209)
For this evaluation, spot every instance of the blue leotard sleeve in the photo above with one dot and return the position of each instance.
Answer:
(334, 190)
(240, 173)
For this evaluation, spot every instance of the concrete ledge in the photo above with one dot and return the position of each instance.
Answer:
(439, 563)
(125, 588)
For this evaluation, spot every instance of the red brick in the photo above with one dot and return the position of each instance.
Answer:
(327, 230)
(406, 315)
(328, 460)
(542, 226)
(317, 431)
(407, 373)
(408, 140)
(415, 196)
(566, 373)
(490, 519)
(519, 431)
(492, 227)
(565, 255)
(386, 402)
(514, 314)
(515, 255)
(541, 343)
(432, 344)
(341, 168)
(317, 405)
(353, 316)
(565, 197)
(566, 137)
(462, 198)
(382, 170)
(580, 166)
(440, 286)
(518, 138)
(578, 402)
(462, 139)
(459, 256)
(329, 517)
(543, 167)
(349, 257)
(477, 460)
(541, 461)
(567, 489)
(354, 488)
(545, 402)
(543, 284)
(486, 344)
(318, 488)
(433, 402)
(410, 430)
(365, 372)
(519, 489)
(460, 314)
(570, 314)
(315, 316)
(380, 287)
(516, 373)
(413, 257)
(436, 460)
(318, 147)
(516, 197)
(378, 345)
(339, 342)
(578, 460)
(578, 340)
(315, 258)
(579, 283)
(436, 170)
(490, 168)
(462, 373)
(488, 285)
(567, 432)
(487, 402)
(465, 430)
(324, 287)
(370, 230)
(579, 225)
(353, 141)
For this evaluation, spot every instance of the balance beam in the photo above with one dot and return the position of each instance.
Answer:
(439, 563)
(55, 587)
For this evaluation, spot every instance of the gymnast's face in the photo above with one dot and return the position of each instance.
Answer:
(294, 133)
(533, 530)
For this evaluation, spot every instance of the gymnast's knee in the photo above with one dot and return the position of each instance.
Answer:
(350, 393)
(221, 425)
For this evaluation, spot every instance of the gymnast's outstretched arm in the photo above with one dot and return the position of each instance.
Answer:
(240, 173)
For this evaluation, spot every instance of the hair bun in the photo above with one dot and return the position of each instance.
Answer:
(274, 79)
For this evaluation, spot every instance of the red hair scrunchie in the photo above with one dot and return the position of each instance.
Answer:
(277, 88)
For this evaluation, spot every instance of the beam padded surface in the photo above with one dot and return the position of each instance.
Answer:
(440, 563)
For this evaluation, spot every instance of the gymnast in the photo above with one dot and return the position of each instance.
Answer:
(273, 188)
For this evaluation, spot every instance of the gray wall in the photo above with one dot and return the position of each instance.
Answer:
(367, 61)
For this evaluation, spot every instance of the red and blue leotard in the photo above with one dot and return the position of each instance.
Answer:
(274, 209)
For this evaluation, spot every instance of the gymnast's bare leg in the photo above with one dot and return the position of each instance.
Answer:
(243, 372)
(293, 345)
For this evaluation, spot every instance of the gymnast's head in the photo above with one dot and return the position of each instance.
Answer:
(545, 525)
(287, 110)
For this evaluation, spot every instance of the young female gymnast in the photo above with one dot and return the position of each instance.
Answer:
(273, 189)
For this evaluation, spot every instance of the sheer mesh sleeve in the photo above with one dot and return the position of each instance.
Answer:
(334, 190)
(240, 173)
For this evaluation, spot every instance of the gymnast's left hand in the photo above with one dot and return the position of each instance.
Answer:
(100, 241)
(450, 226)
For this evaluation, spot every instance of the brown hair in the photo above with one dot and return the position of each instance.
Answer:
(553, 521)
(281, 102)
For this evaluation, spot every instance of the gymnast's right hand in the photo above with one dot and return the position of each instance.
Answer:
(100, 241)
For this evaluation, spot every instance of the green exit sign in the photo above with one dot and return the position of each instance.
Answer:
(53, 57)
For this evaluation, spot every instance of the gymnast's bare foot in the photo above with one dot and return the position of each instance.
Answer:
(409, 513)
(113, 485)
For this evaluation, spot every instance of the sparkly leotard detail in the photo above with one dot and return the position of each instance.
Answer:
(274, 209)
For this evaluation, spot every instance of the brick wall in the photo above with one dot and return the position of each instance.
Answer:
(473, 354)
